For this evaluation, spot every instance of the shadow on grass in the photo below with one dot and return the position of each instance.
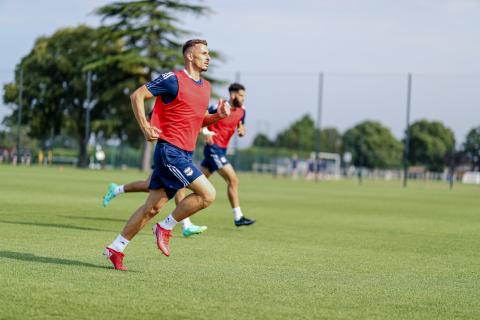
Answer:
(53, 225)
(96, 218)
(33, 258)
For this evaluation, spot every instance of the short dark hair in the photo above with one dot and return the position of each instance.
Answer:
(191, 43)
(235, 87)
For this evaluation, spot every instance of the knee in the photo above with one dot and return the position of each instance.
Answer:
(151, 211)
(209, 197)
(233, 182)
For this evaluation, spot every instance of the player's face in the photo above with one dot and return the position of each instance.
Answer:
(201, 57)
(237, 98)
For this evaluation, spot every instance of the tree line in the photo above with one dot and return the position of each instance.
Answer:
(137, 40)
(372, 145)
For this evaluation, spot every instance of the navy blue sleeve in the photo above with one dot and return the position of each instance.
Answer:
(212, 109)
(165, 86)
(242, 121)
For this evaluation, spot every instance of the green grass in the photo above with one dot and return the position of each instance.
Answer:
(328, 250)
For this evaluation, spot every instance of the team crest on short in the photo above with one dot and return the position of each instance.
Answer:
(223, 159)
(188, 171)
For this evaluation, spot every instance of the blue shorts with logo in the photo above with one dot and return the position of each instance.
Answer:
(173, 168)
(214, 157)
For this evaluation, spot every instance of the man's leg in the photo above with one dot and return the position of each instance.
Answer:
(188, 228)
(228, 173)
(205, 171)
(155, 201)
(115, 189)
(203, 195)
(137, 186)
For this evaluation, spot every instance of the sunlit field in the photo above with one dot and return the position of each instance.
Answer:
(326, 250)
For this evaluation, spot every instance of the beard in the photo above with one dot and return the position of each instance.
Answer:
(236, 103)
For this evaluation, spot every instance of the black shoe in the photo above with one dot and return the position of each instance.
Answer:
(244, 222)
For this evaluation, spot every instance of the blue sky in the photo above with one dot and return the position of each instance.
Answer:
(365, 48)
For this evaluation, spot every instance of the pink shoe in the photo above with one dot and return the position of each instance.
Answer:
(116, 258)
(163, 238)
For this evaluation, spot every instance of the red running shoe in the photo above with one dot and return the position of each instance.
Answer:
(116, 258)
(163, 238)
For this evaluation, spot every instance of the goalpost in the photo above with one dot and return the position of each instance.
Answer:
(471, 177)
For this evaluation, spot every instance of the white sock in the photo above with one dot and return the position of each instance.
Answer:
(169, 223)
(237, 213)
(119, 189)
(119, 244)
(186, 223)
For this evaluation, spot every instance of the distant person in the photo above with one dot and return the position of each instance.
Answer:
(294, 166)
(217, 137)
(40, 157)
(311, 166)
(27, 158)
(180, 111)
(14, 157)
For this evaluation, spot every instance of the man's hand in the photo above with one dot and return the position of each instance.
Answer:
(208, 136)
(241, 130)
(223, 109)
(209, 139)
(151, 133)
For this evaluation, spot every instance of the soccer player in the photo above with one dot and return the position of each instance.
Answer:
(215, 150)
(180, 111)
(217, 137)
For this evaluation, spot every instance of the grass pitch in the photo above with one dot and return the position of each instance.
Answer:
(327, 250)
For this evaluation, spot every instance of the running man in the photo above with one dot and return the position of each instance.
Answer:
(217, 137)
(180, 111)
(215, 150)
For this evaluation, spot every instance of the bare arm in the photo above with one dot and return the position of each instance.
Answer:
(241, 130)
(137, 99)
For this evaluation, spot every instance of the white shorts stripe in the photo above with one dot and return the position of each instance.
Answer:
(178, 174)
(217, 161)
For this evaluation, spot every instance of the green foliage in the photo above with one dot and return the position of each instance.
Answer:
(149, 31)
(430, 142)
(372, 145)
(331, 140)
(55, 86)
(8, 139)
(299, 136)
(472, 147)
(261, 140)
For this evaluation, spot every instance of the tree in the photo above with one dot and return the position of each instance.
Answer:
(55, 86)
(430, 143)
(151, 37)
(472, 147)
(372, 146)
(330, 140)
(299, 136)
(261, 140)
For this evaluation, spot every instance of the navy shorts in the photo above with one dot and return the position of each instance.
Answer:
(173, 169)
(214, 157)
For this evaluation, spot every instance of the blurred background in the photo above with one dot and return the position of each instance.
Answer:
(373, 89)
